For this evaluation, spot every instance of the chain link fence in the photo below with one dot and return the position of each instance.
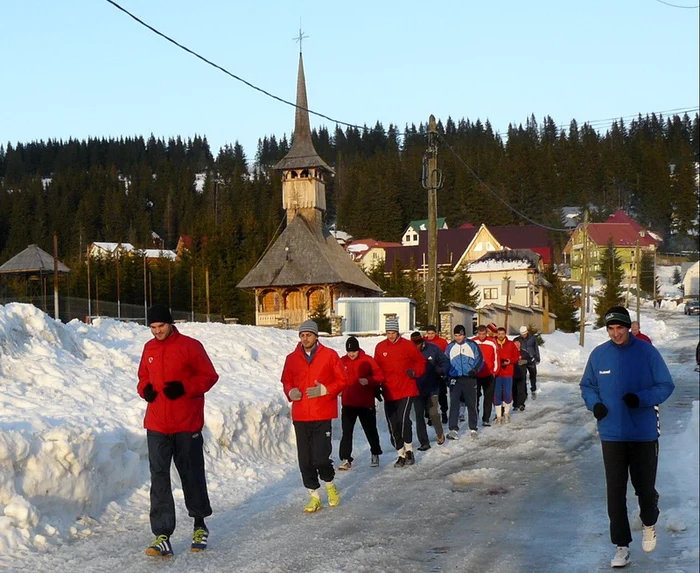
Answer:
(71, 308)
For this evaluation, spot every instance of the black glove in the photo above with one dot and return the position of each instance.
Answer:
(471, 374)
(378, 394)
(632, 400)
(173, 390)
(149, 394)
(600, 410)
(411, 373)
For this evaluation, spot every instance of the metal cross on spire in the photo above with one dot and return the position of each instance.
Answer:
(300, 37)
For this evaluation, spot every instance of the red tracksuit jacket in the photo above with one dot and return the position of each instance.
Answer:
(507, 351)
(325, 367)
(364, 366)
(182, 359)
(394, 358)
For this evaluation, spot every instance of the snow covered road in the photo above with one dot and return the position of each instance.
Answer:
(525, 497)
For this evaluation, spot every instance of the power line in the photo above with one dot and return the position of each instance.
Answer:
(508, 205)
(336, 121)
(228, 73)
(676, 5)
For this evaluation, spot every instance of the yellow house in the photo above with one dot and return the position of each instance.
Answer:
(482, 243)
(596, 236)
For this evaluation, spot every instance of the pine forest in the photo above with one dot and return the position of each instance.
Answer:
(149, 192)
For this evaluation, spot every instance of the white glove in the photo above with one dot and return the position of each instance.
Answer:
(316, 391)
(363, 381)
(295, 394)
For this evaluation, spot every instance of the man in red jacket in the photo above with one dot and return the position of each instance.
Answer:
(634, 330)
(358, 399)
(485, 378)
(174, 374)
(312, 379)
(509, 356)
(402, 363)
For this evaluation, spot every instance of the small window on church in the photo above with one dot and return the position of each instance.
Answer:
(305, 173)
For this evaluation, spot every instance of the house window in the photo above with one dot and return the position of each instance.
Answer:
(490, 293)
(415, 237)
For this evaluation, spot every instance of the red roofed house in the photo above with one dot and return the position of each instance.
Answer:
(626, 236)
(368, 252)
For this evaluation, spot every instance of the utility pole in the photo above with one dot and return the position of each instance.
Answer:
(206, 283)
(506, 280)
(55, 276)
(145, 291)
(584, 279)
(119, 298)
(432, 181)
(89, 294)
(637, 266)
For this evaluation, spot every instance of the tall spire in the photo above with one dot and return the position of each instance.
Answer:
(302, 153)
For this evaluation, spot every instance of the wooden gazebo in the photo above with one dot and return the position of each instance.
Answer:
(33, 263)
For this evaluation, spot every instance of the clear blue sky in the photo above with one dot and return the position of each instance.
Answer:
(81, 68)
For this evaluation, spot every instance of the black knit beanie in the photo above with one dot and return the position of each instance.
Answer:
(159, 313)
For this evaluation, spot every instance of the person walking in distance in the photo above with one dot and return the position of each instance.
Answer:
(623, 383)
(638, 333)
(312, 378)
(433, 337)
(358, 399)
(174, 374)
(437, 365)
(465, 362)
(402, 364)
(503, 392)
(528, 342)
(485, 378)
(520, 377)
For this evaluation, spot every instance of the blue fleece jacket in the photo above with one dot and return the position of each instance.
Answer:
(437, 366)
(465, 359)
(611, 372)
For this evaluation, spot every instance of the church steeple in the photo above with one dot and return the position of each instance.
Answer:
(302, 153)
(303, 186)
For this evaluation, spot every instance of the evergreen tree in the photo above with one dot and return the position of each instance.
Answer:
(458, 287)
(611, 274)
(647, 280)
(320, 316)
(677, 278)
(562, 302)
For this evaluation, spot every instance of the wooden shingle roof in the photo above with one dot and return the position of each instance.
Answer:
(304, 255)
(32, 260)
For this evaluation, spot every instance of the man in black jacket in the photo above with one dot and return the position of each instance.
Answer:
(528, 342)
(437, 365)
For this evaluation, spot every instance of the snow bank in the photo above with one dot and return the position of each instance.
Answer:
(72, 438)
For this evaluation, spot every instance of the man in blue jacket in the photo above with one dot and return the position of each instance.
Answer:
(465, 362)
(624, 382)
(436, 366)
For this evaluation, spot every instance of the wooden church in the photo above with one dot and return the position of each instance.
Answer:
(305, 268)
